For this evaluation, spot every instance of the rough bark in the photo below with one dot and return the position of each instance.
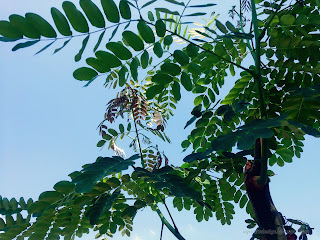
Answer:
(269, 220)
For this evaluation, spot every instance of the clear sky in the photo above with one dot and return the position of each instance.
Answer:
(48, 127)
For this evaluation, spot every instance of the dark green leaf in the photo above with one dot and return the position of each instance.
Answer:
(148, 3)
(223, 142)
(122, 76)
(145, 32)
(38, 207)
(77, 58)
(5, 39)
(167, 40)
(99, 41)
(76, 18)
(44, 28)
(101, 143)
(186, 81)
(109, 59)
(152, 91)
(157, 49)
(93, 13)
(133, 40)
(124, 9)
(134, 69)
(98, 65)
(9, 31)
(204, 5)
(150, 16)
(111, 10)
(245, 141)
(114, 32)
(84, 74)
(221, 27)
(230, 26)
(160, 28)
(50, 196)
(23, 26)
(113, 132)
(45, 47)
(64, 187)
(61, 22)
(91, 173)
(171, 68)
(64, 44)
(181, 57)
(195, 14)
(175, 2)
(165, 10)
(162, 78)
(176, 90)
(119, 50)
(23, 45)
(144, 59)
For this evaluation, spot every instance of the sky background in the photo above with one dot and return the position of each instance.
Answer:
(48, 127)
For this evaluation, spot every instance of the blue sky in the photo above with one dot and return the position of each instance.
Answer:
(48, 129)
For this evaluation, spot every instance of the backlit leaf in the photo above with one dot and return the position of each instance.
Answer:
(171, 68)
(152, 91)
(162, 78)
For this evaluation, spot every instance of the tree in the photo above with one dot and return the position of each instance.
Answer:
(263, 115)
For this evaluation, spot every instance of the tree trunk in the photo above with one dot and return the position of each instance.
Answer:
(269, 220)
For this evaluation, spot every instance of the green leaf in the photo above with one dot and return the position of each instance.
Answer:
(44, 28)
(104, 203)
(195, 14)
(113, 132)
(165, 10)
(84, 74)
(145, 32)
(157, 49)
(5, 39)
(9, 31)
(133, 40)
(245, 141)
(99, 41)
(152, 91)
(203, 5)
(150, 16)
(24, 26)
(223, 142)
(124, 9)
(122, 76)
(181, 57)
(38, 207)
(175, 2)
(144, 59)
(76, 18)
(61, 22)
(98, 65)
(109, 59)
(211, 95)
(111, 10)
(192, 50)
(64, 187)
(119, 50)
(134, 69)
(176, 90)
(160, 28)
(186, 81)
(77, 58)
(45, 47)
(243, 201)
(221, 27)
(287, 20)
(101, 143)
(50, 196)
(92, 173)
(171, 68)
(230, 26)
(198, 100)
(93, 13)
(148, 3)
(24, 45)
(167, 40)
(162, 78)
